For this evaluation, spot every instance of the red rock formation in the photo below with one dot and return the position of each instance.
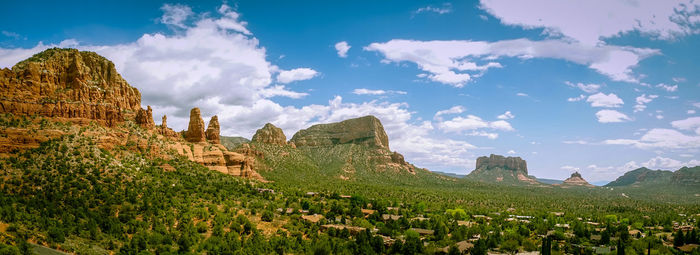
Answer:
(195, 130)
(145, 118)
(164, 130)
(213, 130)
(67, 83)
(270, 134)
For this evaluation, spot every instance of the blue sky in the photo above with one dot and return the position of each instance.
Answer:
(599, 87)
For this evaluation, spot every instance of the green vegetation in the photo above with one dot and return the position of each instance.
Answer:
(70, 195)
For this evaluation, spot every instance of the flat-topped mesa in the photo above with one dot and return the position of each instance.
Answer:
(213, 130)
(145, 118)
(68, 83)
(195, 129)
(367, 130)
(270, 134)
(576, 180)
(512, 163)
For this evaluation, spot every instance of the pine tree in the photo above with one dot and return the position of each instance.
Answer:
(679, 240)
(620, 248)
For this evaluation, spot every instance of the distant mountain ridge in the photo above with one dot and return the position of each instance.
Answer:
(687, 176)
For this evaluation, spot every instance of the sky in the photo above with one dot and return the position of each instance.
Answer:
(599, 86)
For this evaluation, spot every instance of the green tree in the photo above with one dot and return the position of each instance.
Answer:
(678, 239)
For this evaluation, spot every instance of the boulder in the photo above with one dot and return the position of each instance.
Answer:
(367, 130)
(195, 129)
(270, 134)
(213, 130)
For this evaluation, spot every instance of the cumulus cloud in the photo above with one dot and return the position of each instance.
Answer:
(692, 124)
(589, 22)
(602, 100)
(506, 116)
(456, 62)
(473, 125)
(342, 48)
(642, 101)
(588, 88)
(611, 116)
(297, 74)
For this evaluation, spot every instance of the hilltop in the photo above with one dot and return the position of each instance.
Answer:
(643, 177)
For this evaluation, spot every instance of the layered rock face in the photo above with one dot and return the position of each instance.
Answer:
(270, 134)
(67, 83)
(195, 129)
(493, 161)
(217, 157)
(576, 180)
(497, 168)
(366, 130)
(213, 130)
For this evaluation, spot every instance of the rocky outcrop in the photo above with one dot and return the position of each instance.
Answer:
(165, 130)
(67, 83)
(497, 168)
(366, 130)
(195, 130)
(576, 180)
(686, 176)
(498, 161)
(213, 130)
(145, 118)
(270, 134)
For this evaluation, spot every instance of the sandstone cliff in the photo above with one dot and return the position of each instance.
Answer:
(497, 168)
(270, 134)
(68, 83)
(366, 130)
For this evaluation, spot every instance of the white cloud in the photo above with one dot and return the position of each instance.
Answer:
(453, 110)
(506, 116)
(511, 152)
(669, 88)
(377, 92)
(520, 94)
(642, 101)
(660, 138)
(457, 62)
(611, 116)
(589, 22)
(446, 8)
(588, 88)
(342, 48)
(471, 122)
(691, 111)
(576, 99)
(692, 124)
(298, 74)
(175, 15)
(11, 34)
(603, 100)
